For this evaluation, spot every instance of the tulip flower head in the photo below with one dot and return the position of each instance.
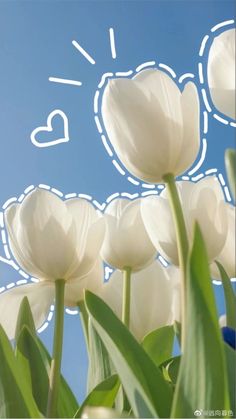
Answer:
(221, 72)
(227, 255)
(152, 292)
(202, 202)
(51, 239)
(152, 125)
(126, 242)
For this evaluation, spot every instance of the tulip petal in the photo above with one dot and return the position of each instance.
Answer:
(227, 255)
(42, 236)
(40, 296)
(74, 290)
(159, 224)
(221, 72)
(127, 243)
(143, 119)
(152, 285)
(191, 127)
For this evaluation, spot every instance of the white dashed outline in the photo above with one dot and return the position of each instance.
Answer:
(100, 207)
(207, 42)
(101, 129)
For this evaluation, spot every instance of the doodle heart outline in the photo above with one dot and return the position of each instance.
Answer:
(49, 128)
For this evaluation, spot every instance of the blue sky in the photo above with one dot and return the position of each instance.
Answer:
(36, 43)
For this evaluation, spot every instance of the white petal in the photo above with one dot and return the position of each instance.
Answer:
(42, 235)
(74, 290)
(126, 242)
(191, 135)
(151, 298)
(208, 209)
(40, 296)
(227, 255)
(159, 224)
(221, 72)
(143, 119)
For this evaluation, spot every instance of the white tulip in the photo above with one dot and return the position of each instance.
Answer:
(151, 298)
(152, 125)
(202, 202)
(52, 239)
(221, 72)
(228, 254)
(126, 242)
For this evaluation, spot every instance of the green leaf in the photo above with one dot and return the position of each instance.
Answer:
(230, 298)
(25, 318)
(100, 366)
(32, 365)
(148, 393)
(67, 403)
(231, 363)
(202, 380)
(103, 395)
(230, 165)
(159, 344)
(16, 398)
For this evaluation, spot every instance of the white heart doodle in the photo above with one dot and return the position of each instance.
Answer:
(49, 128)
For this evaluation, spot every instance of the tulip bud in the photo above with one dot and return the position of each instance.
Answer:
(221, 72)
(126, 242)
(152, 125)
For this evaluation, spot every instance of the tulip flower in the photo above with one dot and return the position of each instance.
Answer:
(152, 125)
(151, 298)
(57, 242)
(221, 72)
(54, 239)
(126, 242)
(202, 202)
(227, 255)
(41, 296)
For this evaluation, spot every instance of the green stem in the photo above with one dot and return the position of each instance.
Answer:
(182, 241)
(55, 372)
(126, 296)
(84, 320)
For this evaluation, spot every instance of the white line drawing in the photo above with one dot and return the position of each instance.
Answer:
(65, 81)
(98, 120)
(112, 43)
(49, 128)
(207, 41)
(83, 52)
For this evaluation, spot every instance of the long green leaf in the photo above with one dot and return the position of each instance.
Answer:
(100, 366)
(16, 398)
(103, 395)
(159, 344)
(25, 318)
(230, 298)
(32, 365)
(148, 393)
(202, 380)
(231, 366)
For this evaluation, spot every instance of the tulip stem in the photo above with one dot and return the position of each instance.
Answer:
(55, 372)
(182, 242)
(126, 296)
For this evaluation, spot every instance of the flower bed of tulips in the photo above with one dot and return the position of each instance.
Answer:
(131, 321)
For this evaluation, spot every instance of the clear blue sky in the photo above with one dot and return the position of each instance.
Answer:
(35, 43)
